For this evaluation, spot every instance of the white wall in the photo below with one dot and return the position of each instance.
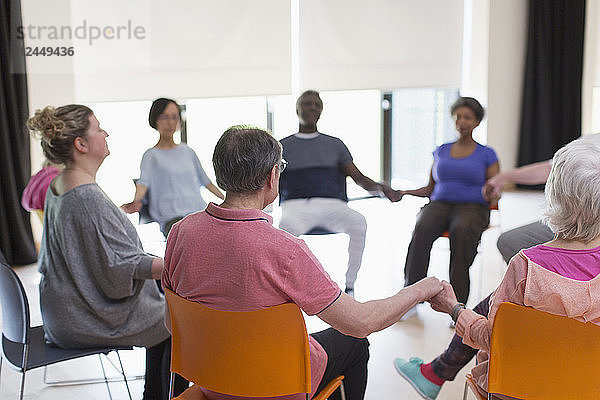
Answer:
(507, 46)
(590, 93)
(379, 44)
(495, 70)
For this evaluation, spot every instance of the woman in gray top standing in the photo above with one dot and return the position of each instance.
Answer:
(170, 173)
(96, 287)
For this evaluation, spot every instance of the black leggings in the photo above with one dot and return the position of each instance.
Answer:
(458, 354)
(348, 356)
(158, 373)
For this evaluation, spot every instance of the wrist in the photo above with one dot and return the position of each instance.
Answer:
(458, 307)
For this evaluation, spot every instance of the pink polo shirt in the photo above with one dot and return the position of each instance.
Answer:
(235, 260)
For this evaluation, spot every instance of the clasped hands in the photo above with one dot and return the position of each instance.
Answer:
(439, 294)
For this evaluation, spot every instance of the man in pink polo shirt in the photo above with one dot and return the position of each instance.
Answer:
(230, 257)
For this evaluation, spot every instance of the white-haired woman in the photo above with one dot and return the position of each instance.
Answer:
(560, 276)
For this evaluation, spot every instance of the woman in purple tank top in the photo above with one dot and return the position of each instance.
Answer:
(459, 171)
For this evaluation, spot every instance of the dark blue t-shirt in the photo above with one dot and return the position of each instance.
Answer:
(461, 179)
(315, 168)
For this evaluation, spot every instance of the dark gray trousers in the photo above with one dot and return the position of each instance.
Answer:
(465, 222)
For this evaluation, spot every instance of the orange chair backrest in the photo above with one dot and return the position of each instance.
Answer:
(256, 353)
(536, 355)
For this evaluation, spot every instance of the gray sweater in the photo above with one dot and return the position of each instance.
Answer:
(96, 286)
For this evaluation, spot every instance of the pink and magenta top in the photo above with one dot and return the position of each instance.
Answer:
(579, 265)
(34, 195)
(235, 260)
(555, 280)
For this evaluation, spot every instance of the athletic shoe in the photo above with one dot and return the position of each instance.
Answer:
(411, 371)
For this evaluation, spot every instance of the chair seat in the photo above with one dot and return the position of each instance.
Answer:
(317, 230)
(41, 353)
(195, 392)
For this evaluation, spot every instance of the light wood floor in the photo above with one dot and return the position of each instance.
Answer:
(390, 227)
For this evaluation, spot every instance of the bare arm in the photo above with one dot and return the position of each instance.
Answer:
(492, 170)
(424, 191)
(215, 190)
(136, 204)
(367, 183)
(157, 267)
(361, 319)
(531, 174)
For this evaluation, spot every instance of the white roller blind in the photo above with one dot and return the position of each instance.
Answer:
(380, 44)
(191, 49)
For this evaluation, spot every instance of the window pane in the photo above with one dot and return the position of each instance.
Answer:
(421, 121)
(129, 136)
(355, 117)
(207, 119)
(283, 111)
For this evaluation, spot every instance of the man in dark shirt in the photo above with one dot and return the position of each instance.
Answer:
(313, 186)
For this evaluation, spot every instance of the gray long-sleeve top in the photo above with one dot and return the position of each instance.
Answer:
(96, 286)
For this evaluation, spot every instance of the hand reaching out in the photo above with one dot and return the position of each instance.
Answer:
(493, 188)
(134, 206)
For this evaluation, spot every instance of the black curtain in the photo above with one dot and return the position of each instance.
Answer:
(551, 110)
(16, 239)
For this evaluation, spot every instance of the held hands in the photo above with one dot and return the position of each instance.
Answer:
(393, 195)
(493, 188)
(134, 206)
(444, 300)
(387, 191)
(429, 287)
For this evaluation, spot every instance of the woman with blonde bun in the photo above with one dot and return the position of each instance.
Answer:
(96, 286)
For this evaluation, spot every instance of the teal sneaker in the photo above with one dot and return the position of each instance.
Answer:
(411, 371)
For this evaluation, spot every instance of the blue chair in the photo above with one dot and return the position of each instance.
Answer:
(24, 347)
(144, 214)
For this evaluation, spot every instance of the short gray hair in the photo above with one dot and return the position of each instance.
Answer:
(244, 157)
(573, 192)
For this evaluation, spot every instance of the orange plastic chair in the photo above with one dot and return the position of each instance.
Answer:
(535, 355)
(255, 353)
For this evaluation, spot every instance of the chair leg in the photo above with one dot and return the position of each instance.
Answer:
(342, 390)
(124, 376)
(466, 390)
(171, 385)
(105, 379)
(24, 370)
(22, 390)
(69, 382)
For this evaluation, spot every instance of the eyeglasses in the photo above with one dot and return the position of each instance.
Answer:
(282, 165)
